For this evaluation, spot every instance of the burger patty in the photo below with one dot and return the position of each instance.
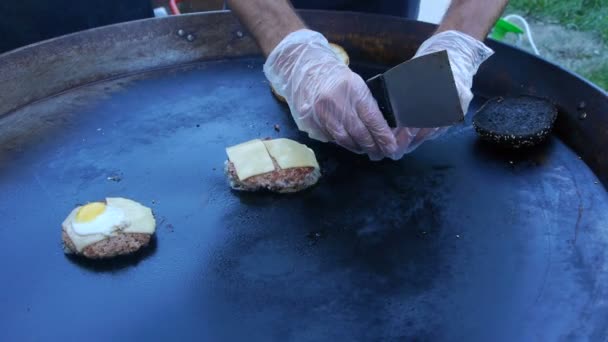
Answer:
(280, 180)
(121, 244)
(515, 122)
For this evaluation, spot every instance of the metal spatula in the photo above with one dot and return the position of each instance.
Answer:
(418, 93)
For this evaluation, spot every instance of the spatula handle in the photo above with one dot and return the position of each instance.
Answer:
(378, 88)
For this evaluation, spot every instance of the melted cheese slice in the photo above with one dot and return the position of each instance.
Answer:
(139, 218)
(290, 154)
(250, 159)
(136, 219)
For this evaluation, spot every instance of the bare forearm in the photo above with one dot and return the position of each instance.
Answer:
(269, 21)
(473, 17)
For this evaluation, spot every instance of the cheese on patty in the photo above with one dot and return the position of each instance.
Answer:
(98, 221)
(290, 154)
(250, 159)
(255, 157)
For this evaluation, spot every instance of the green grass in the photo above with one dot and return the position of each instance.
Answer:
(582, 15)
(599, 76)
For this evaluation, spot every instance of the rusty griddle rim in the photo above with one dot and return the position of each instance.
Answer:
(45, 69)
(376, 52)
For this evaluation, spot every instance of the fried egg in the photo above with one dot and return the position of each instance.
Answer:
(98, 221)
(98, 218)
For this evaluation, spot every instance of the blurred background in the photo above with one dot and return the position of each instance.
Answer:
(571, 33)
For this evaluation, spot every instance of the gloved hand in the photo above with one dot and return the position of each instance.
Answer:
(466, 54)
(327, 100)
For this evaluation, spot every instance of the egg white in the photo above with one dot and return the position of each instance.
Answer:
(135, 218)
(106, 223)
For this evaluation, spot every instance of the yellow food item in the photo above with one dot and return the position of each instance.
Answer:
(253, 157)
(90, 211)
(250, 159)
(290, 154)
(338, 50)
(97, 221)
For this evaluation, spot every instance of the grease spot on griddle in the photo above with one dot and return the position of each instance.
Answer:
(114, 178)
(315, 236)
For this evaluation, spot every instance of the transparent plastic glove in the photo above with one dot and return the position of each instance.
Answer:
(327, 100)
(466, 54)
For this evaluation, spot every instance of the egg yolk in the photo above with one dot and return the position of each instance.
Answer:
(90, 211)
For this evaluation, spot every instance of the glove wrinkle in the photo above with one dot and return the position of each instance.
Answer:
(331, 103)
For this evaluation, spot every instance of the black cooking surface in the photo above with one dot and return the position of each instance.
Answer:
(455, 242)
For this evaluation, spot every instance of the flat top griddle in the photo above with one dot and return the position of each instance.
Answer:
(457, 241)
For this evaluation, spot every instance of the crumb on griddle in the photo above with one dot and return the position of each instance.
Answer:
(115, 178)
